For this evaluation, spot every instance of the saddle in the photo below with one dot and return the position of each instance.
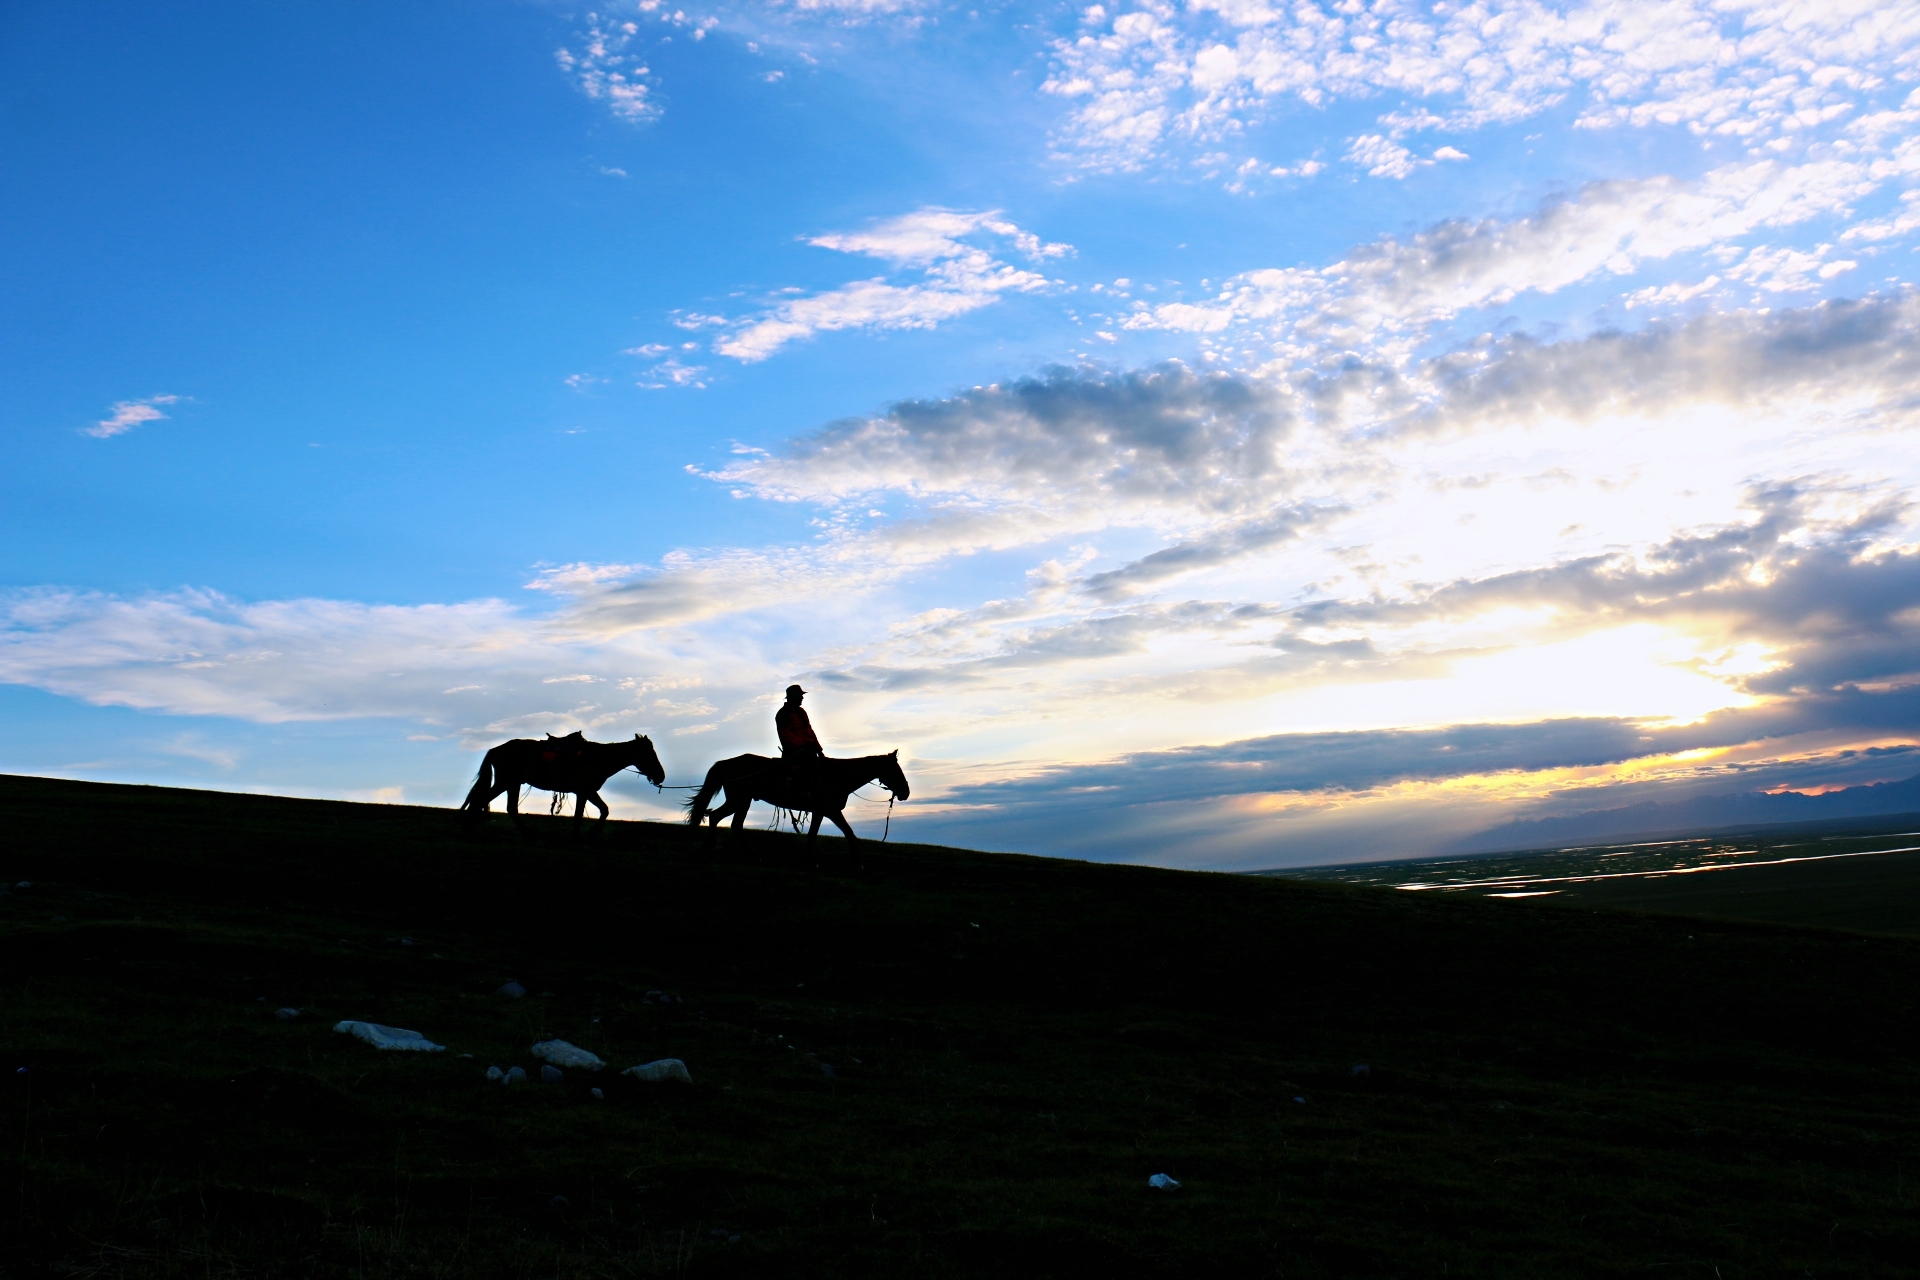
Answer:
(571, 747)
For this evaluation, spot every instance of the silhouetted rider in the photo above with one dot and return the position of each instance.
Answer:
(799, 746)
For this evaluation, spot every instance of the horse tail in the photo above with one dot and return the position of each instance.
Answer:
(697, 807)
(478, 797)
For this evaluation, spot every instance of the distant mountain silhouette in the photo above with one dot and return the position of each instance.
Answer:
(1655, 818)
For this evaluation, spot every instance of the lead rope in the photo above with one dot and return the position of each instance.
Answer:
(889, 827)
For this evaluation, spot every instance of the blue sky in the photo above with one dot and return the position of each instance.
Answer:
(1102, 406)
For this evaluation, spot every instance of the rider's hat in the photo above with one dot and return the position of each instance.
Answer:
(793, 689)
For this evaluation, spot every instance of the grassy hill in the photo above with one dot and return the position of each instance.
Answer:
(923, 1062)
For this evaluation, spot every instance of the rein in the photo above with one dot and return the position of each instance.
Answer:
(891, 800)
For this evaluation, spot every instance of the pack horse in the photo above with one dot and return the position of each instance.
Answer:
(560, 765)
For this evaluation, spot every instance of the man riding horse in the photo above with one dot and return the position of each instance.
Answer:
(804, 779)
(800, 749)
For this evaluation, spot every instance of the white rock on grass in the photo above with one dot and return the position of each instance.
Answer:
(550, 1074)
(381, 1037)
(562, 1054)
(495, 1073)
(286, 1015)
(512, 989)
(515, 1076)
(664, 1069)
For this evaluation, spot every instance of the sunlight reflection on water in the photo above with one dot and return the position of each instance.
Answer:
(1529, 875)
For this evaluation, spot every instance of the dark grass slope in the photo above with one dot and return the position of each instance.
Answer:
(1551, 1092)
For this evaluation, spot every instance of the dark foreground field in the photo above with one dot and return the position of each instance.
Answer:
(930, 1063)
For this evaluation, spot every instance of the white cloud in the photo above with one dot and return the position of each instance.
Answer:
(1383, 157)
(589, 664)
(1892, 227)
(672, 373)
(1386, 295)
(1669, 294)
(1149, 79)
(1788, 270)
(605, 601)
(930, 236)
(956, 276)
(603, 70)
(193, 746)
(1157, 440)
(857, 8)
(198, 652)
(128, 414)
(1305, 169)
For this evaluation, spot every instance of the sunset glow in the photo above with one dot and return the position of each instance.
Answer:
(1201, 433)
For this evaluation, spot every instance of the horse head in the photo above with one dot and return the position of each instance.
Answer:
(892, 778)
(646, 761)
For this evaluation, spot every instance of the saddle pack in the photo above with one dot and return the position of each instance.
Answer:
(563, 750)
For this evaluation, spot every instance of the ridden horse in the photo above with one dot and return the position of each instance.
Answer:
(823, 794)
(558, 765)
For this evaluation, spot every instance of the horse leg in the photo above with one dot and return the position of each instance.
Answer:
(513, 807)
(478, 801)
(599, 826)
(735, 809)
(813, 829)
(849, 855)
(714, 816)
(738, 809)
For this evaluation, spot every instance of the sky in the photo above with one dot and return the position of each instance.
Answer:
(1208, 434)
